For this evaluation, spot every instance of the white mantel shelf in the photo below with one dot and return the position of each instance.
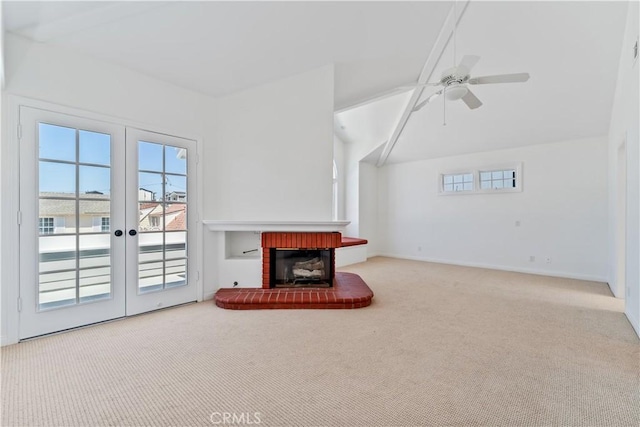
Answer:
(286, 226)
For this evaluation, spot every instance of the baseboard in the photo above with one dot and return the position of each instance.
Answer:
(4, 341)
(634, 322)
(208, 296)
(563, 275)
(612, 291)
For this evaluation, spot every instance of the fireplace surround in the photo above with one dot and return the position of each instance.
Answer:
(299, 259)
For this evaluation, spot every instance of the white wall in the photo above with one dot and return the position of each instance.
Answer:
(361, 190)
(63, 78)
(2, 36)
(368, 206)
(339, 157)
(275, 157)
(2, 125)
(274, 161)
(351, 191)
(52, 74)
(562, 212)
(624, 127)
(364, 130)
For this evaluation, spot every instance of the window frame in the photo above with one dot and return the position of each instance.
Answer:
(516, 167)
(476, 174)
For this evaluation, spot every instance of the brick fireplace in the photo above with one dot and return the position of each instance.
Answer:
(299, 259)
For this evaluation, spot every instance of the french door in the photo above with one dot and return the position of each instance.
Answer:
(157, 215)
(105, 221)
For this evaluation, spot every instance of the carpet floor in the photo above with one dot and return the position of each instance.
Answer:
(440, 345)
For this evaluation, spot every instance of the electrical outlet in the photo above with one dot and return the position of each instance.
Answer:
(419, 248)
(548, 260)
(517, 223)
(532, 258)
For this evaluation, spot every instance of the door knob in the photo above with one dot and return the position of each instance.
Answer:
(118, 233)
(132, 232)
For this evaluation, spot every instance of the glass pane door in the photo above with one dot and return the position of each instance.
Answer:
(74, 245)
(162, 202)
(68, 263)
(163, 167)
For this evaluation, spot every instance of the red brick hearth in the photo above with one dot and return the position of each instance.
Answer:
(348, 291)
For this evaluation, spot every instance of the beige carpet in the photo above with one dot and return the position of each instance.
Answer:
(440, 345)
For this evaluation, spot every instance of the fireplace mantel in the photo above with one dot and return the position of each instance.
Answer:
(285, 226)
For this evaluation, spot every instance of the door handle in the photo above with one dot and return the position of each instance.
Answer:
(132, 232)
(118, 233)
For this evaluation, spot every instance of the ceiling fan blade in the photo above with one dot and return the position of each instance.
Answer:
(471, 100)
(501, 78)
(468, 62)
(426, 101)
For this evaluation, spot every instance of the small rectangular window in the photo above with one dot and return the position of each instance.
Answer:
(452, 183)
(498, 179)
(45, 225)
(494, 179)
(104, 226)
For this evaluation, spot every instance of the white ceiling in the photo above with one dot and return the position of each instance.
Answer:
(219, 48)
(571, 50)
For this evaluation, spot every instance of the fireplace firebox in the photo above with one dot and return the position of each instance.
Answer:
(297, 260)
(301, 268)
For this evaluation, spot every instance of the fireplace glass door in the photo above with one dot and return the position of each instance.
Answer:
(301, 268)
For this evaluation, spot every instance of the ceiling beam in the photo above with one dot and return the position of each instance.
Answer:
(427, 70)
(374, 98)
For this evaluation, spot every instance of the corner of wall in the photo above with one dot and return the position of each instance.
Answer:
(623, 127)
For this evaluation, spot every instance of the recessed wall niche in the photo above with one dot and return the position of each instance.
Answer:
(242, 244)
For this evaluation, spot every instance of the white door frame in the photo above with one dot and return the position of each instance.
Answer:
(620, 231)
(10, 278)
(36, 321)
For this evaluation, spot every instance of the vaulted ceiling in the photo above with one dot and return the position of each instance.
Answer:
(571, 50)
(219, 48)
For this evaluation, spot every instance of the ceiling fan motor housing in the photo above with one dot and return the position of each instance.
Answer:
(454, 76)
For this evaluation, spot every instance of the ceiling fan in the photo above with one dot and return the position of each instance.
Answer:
(455, 83)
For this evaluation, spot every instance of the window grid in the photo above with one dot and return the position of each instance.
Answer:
(498, 179)
(45, 225)
(452, 183)
(104, 224)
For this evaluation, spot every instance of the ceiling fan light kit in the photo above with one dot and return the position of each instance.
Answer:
(453, 93)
